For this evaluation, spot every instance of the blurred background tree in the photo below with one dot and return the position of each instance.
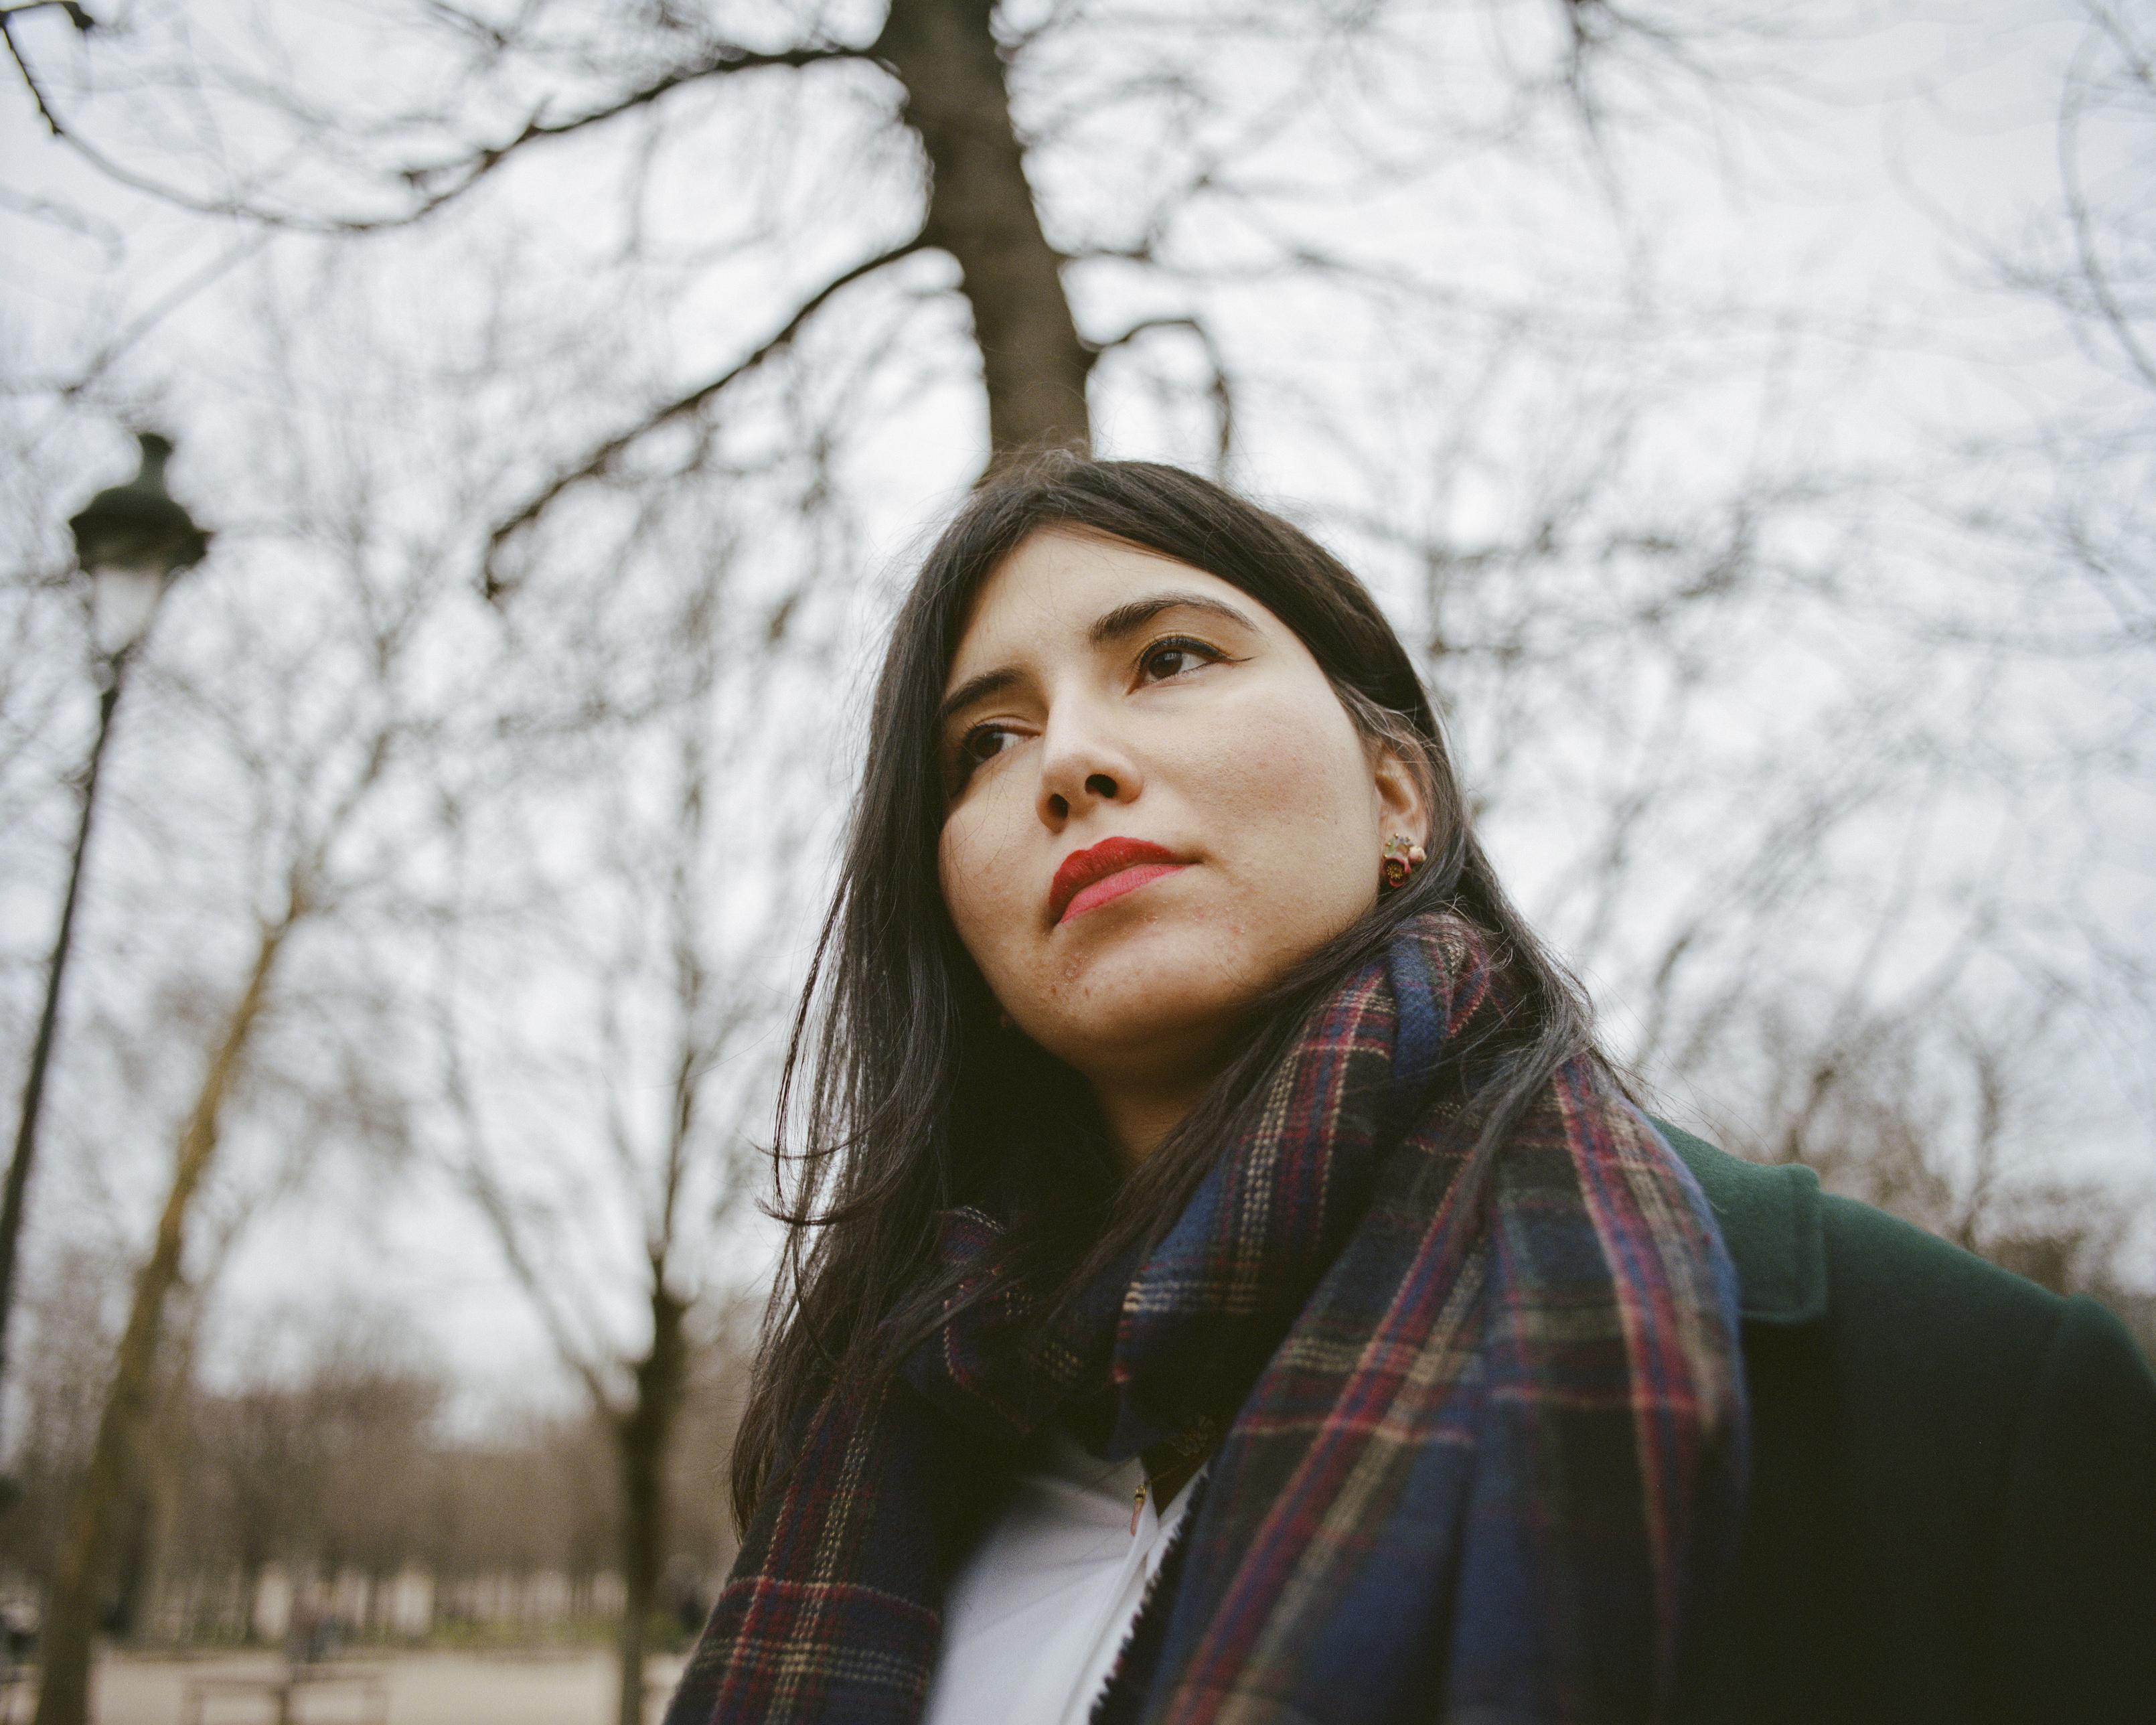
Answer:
(1747, 418)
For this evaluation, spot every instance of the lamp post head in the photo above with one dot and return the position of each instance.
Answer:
(131, 540)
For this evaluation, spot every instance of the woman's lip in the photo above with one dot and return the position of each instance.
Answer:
(1117, 884)
(1114, 854)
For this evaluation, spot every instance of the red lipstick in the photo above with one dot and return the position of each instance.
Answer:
(1108, 870)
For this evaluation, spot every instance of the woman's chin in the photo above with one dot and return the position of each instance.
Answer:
(1164, 993)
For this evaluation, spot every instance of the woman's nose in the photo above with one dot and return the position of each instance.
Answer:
(1083, 765)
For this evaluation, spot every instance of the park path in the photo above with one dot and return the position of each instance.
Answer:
(423, 1689)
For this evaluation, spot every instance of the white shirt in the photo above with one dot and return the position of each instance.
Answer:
(1036, 1614)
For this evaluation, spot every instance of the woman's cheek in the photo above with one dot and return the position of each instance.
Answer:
(1291, 803)
(984, 883)
(1271, 768)
(958, 864)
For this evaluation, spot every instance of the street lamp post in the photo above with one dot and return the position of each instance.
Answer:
(131, 541)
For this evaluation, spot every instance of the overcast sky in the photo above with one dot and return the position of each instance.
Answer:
(1801, 260)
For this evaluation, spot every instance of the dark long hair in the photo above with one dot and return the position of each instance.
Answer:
(916, 1098)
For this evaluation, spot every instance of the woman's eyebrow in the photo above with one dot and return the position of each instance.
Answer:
(974, 689)
(1125, 618)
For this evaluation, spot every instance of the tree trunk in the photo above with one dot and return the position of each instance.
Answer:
(643, 1437)
(79, 1575)
(134, 1558)
(250, 1590)
(980, 210)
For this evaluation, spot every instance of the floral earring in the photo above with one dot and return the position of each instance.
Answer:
(1403, 857)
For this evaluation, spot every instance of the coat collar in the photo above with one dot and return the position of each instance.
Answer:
(1770, 1221)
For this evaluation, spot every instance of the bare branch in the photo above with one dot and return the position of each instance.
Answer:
(465, 171)
(83, 23)
(494, 1203)
(2078, 211)
(113, 170)
(163, 307)
(603, 457)
(1221, 390)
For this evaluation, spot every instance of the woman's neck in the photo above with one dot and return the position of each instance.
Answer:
(1140, 1118)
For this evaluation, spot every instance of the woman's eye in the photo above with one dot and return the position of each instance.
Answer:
(1173, 657)
(975, 748)
(982, 741)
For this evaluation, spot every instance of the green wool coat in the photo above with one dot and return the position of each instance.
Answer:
(1952, 1510)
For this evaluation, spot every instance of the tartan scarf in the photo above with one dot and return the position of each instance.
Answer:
(1479, 1412)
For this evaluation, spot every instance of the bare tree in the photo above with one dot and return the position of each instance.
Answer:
(663, 1059)
(71, 1321)
(968, 106)
(294, 710)
(1785, 727)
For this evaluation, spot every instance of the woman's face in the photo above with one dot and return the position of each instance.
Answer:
(1158, 806)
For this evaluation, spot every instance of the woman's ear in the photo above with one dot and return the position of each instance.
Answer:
(1402, 798)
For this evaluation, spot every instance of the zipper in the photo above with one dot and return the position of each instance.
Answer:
(1122, 1691)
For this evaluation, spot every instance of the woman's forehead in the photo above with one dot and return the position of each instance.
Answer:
(1054, 591)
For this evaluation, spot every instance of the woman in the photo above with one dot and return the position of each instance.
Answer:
(1198, 1136)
